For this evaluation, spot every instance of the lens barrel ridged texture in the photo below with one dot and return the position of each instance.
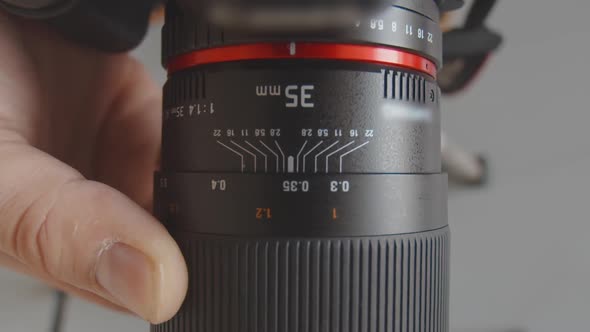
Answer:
(183, 33)
(387, 284)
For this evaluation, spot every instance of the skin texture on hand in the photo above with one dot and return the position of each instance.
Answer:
(79, 142)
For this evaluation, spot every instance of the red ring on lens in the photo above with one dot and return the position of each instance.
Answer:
(318, 51)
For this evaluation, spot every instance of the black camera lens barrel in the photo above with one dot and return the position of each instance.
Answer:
(301, 176)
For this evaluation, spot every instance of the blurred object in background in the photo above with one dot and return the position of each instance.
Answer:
(463, 167)
(466, 49)
(467, 46)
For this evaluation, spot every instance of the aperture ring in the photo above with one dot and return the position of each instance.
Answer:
(397, 27)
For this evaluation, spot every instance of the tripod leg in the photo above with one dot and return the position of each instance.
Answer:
(59, 311)
(463, 167)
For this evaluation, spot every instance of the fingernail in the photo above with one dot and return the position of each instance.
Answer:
(128, 276)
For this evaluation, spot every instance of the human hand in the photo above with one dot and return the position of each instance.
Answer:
(79, 141)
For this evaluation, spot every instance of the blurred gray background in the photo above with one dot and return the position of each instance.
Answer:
(521, 255)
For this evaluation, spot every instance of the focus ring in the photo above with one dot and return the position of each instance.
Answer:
(261, 207)
(397, 283)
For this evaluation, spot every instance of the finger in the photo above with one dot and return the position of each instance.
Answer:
(128, 144)
(87, 235)
(116, 107)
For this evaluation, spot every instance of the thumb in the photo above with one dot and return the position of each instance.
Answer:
(87, 236)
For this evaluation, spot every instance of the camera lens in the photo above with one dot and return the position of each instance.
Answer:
(301, 174)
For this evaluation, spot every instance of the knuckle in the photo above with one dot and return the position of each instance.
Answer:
(40, 212)
(53, 220)
(32, 236)
(36, 233)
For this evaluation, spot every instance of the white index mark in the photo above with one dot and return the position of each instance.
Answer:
(293, 49)
(248, 152)
(349, 152)
(333, 153)
(291, 164)
(310, 151)
(263, 154)
(236, 152)
(321, 153)
(274, 153)
(282, 154)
